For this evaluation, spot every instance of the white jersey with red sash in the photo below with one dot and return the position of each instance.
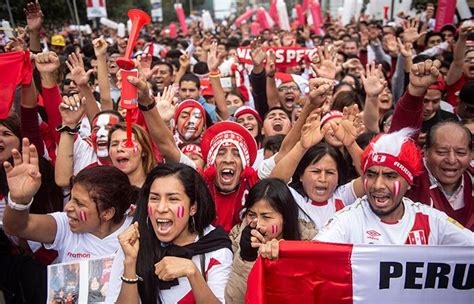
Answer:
(420, 225)
(319, 213)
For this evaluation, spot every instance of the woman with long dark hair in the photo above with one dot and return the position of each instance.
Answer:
(318, 170)
(171, 252)
(270, 212)
(92, 218)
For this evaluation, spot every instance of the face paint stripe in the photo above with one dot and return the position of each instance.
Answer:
(365, 185)
(180, 211)
(83, 216)
(274, 229)
(150, 211)
(396, 188)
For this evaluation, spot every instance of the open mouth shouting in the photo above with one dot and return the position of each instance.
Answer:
(289, 101)
(277, 126)
(164, 225)
(227, 176)
(381, 200)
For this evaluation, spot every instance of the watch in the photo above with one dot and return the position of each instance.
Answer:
(146, 107)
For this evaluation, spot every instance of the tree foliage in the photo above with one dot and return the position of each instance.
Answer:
(57, 12)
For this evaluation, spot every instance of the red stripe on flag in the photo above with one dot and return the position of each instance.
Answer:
(89, 3)
(306, 272)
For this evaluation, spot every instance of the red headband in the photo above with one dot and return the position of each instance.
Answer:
(390, 161)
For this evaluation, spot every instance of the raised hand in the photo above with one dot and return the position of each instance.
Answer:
(410, 31)
(184, 61)
(34, 16)
(165, 103)
(16, 44)
(144, 66)
(320, 89)
(72, 109)
(129, 240)
(311, 133)
(327, 64)
(422, 75)
(346, 131)
(270, 67)
(24, 178)
(406, 49)
(75, 65)
(373, 81)
(100, 47)
(465, 30)
(47, 62)
(390, 43)
(213, 58)
(257, 53)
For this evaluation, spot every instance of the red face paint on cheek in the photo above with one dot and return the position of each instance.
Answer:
(82, 216)
(275, 229)
(365, 185)
(396, 188)
(150, 211)
(180, 213)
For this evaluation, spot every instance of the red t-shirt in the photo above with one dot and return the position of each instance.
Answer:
(452, 89)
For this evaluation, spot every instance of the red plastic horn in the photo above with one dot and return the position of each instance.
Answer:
(139, 18)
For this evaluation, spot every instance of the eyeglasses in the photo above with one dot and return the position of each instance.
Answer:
(288, 89)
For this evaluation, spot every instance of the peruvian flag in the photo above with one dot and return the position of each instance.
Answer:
(316, 272)
(18, 65)
(96, 9)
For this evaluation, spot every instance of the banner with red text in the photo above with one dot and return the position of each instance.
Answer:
(284, 56)
(96, 9)
(314, 272)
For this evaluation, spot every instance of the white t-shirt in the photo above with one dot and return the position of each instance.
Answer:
(74, 246)
(84, 154)
(420, 225)
(319, 213)
(218, 265)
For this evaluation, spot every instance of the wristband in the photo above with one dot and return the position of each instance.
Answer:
(131, 281)
(69, 130)
(16, 206)
(214, 74)
(147, 107)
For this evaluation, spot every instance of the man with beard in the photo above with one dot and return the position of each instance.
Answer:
(445, 183)
(385, 216)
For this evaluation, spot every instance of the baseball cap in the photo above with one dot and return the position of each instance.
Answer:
(58, 40)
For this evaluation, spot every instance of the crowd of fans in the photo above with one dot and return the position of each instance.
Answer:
(229, 158)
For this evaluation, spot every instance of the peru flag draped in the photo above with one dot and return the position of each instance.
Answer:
(314, 272)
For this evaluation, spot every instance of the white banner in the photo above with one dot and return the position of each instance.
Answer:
(413, 274)
(96, 9)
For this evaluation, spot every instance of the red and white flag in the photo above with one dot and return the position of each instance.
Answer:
(96, 9)
(18, 65)
(315, 272)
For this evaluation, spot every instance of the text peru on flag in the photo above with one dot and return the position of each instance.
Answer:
(315, 272)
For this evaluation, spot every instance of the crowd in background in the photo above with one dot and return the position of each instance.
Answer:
(228, 157)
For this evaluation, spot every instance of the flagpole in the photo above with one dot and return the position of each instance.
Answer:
(77, 21)
(10, 14)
